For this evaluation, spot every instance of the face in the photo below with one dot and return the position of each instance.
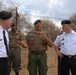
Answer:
(65, 27)
(14, 28)
(38, 26)
(7, 23)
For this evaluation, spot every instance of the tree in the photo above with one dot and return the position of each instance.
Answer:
(2, 6)
(50, 28)
(25, 25)
(23, 22)
(73, 19)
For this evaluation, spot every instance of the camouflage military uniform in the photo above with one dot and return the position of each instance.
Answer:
(37, 57)
(14, 51)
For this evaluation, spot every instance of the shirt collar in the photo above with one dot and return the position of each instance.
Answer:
(1, 29)
(72, 31)
(13, 33)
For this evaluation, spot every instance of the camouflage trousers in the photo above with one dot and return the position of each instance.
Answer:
(37, 63)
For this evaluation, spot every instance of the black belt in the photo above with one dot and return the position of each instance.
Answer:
(34, 52)
(69, 56)
(14, 48)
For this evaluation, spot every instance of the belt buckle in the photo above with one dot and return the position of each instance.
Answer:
(37, 53)
(13, 48)
(69, 56)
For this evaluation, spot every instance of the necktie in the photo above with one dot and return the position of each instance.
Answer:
(5, 42)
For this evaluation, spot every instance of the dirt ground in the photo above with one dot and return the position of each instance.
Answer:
(51, 61)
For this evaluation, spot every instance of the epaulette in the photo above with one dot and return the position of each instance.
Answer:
(30, 32)
(9, 32)
(60, 33)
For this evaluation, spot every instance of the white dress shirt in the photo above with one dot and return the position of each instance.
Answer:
(67, 43)
(3, 52)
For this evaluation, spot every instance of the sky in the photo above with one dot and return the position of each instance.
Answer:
(57, 9)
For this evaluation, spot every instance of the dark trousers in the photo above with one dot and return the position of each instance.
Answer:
(59, 65)
(3, 66)
(67, 65)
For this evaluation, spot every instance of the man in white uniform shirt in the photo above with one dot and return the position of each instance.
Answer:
(67, 44)
(5, 21)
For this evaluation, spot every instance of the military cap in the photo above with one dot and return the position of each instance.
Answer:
(12, 24)
(37, 22)
(4, 15)
(65, 22)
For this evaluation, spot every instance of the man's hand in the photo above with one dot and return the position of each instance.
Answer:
(23, 44)
(46, 38)
(44, 35)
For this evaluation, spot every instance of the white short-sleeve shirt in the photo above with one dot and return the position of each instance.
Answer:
(67, 43)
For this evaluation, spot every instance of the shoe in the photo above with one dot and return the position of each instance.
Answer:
(17, 73)
(8, 73)
(20, 68)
